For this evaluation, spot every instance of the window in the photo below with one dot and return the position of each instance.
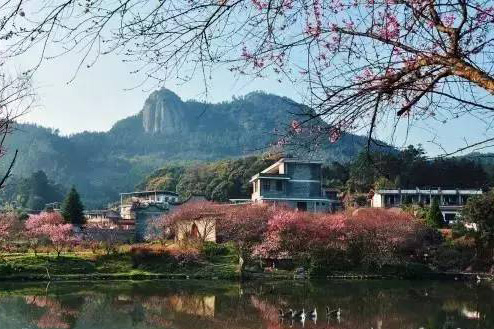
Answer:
(266, 185)
(279, 186)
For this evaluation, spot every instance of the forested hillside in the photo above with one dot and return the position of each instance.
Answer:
(167, 130)
(409, 168)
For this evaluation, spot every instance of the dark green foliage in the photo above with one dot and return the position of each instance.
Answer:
(451, 258)
(218, 181)
(409, 169)
(215, 251)
(480, 210)
(33, 192)
(72, 208)
(227, 179)
(434, 216)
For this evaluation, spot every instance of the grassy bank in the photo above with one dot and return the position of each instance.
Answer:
(81, 266)
(88, 266)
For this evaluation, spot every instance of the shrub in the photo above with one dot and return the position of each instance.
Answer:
(458, 230)
(185, 256)
(450, 258)
(146, 255)
(212, 250)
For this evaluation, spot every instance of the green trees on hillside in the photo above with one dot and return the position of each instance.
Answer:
(33, 192)
(72, 208)
(410, 168)
(218, 181)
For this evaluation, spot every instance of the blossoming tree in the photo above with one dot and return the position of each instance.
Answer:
(10, 229)
(49, 227)
(361, 60)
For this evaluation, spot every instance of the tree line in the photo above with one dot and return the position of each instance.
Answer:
(408, 168)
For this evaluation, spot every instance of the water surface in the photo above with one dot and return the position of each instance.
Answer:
(204, 304)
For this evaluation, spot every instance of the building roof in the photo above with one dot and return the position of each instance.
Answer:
(289, 160)
(269, 176)
(297, 199)
(433, 191)
(152, 192)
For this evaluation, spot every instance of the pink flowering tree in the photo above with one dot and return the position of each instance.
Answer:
(301, 235)
(376, 237)
(49, 228)
(244, 226)
(61, 236)
(362, 60)
(10, 229)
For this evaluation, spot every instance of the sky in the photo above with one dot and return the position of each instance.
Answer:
(95, 98)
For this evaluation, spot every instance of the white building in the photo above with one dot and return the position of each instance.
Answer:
(132, 200)
(450, 201)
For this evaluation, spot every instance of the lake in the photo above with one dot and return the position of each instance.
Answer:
(214, 304)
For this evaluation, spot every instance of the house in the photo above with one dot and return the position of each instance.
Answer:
(293, 182)
(138, 209)
(451, 202)
(129, 202)
(102, 218)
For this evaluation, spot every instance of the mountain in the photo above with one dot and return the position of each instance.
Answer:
(166, 130)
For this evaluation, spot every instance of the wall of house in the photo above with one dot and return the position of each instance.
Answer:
(126, 211)
(143, 219)
(204, 227)
(312, 206)
(377, 201)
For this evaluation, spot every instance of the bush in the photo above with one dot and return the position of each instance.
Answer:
(157, 256)
(212, 250)
(458, 230)
(185, 256)
(450, 258)
(144, 255)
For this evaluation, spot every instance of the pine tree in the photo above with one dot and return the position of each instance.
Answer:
(72, 208)
(434, 216)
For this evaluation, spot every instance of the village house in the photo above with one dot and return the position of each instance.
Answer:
(102, 218)
(141, 207)
(293, 182)
(451, 202)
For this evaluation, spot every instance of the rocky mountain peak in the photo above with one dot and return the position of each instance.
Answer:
(163, 112)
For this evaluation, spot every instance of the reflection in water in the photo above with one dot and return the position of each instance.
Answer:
(189, 305)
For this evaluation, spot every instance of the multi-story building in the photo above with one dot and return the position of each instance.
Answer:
(450, 201)
(292, 182)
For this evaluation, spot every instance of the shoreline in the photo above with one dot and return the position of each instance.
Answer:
(440, 276)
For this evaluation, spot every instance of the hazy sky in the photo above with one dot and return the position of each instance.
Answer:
(98, 97)
(107, 92)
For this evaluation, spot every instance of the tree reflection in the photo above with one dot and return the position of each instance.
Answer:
(369, 304)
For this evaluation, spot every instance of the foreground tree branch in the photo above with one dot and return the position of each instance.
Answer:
(360, 60)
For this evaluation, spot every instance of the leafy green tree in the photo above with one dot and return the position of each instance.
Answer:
(480, 210)
(72, 208)
(434, 216)
(35, 191)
